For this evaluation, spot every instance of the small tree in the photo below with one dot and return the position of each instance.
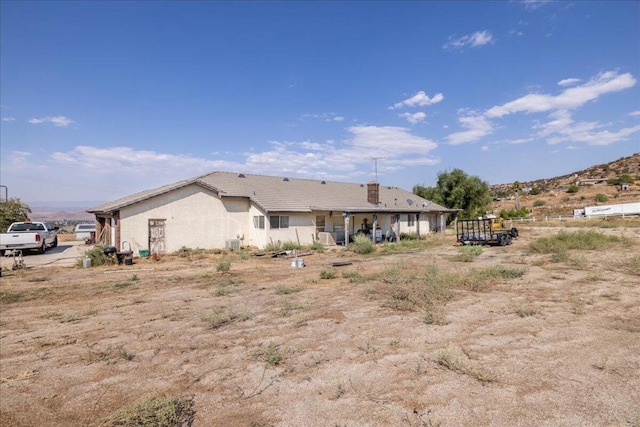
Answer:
(516, 190)
(13, 211)
(457, 190)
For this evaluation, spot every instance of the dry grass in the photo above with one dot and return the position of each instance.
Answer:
(403, 336)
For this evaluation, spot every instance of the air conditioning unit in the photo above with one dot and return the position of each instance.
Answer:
(327, 239)
(233, 244)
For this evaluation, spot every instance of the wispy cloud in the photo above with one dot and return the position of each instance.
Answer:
(58, 121)
(331, 160)
(477, 39)
(634, 113)
(534, 4)
(420, 99)
(561, 126)
(8, 119)
(571, 98)
(477, 127)
(414, 118)
(568, 82)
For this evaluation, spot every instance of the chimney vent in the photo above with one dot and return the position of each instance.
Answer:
(373, 193)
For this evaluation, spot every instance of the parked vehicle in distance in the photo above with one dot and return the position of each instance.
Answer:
(83, 231)
(484, 231)
(35, 236)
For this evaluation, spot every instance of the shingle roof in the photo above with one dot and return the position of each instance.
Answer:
(281, 194)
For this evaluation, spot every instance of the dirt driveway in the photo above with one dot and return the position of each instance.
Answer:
(416, 338)
(66, 254)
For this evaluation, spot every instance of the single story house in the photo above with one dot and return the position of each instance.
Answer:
(228, 210)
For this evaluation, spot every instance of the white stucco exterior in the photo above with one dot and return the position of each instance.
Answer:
(195, 218)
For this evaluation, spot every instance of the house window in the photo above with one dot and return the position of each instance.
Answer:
(411, 220)
(320, 223)
(258, 221)
(277, 221)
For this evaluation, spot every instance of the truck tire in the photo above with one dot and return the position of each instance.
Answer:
(55, 242)
(513, 232)
(42, 249)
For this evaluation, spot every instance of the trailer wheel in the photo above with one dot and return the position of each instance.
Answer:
(502, 240)
(513, 232)
(509, 240)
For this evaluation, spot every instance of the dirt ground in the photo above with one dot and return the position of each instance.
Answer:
(267, 344)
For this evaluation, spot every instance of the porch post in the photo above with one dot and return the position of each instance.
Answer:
(397, 227)
(418, 226)
(346, 228)
(374, 232)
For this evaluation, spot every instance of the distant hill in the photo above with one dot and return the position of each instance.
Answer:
(593, 182)
(60, 213)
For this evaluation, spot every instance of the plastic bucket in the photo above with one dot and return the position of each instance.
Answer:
(143, 253)
(86, 262)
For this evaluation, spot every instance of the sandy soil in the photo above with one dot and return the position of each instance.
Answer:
(267, 344)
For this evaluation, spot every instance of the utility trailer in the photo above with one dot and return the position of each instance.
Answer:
(484, 231)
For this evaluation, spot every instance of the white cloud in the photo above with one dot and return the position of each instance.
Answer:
(338, 119)
(117, 160)
(58, 121)
(571, 98)
(534, 4)
(520, 141)
(420, 99)
(477, 39)
(485, 148)
(8, 119)
(568, 82)
(477, 127)
(634, 113)
(414, 118)
(562, 128)
(121, 166)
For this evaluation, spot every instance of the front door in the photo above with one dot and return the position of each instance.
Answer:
(156, 236)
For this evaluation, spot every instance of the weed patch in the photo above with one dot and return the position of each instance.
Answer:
(564, 241)
(468, 253)
(328, 273)
(166, 411)
(362, 245)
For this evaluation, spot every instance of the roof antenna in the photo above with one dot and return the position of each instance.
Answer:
(375, 162)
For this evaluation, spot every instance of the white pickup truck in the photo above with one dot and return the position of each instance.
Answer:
(36, 236)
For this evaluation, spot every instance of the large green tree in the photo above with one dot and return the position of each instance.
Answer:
(457, 190)
(13, 210)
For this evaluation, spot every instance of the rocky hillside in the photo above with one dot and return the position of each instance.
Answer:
(593, 187)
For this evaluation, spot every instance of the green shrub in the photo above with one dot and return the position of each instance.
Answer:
(468, 253)
(97, 257)
(168, 411)
(328, 273)
(539, 203)
(317, 246)
(223, 266)
(409, 236)
(362, 245)
(601, 198)
(573, 188)
(272, 247)
(564, 241)
(290, 246)
(513, 213)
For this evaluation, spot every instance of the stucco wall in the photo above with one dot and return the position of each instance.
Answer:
(195, 218)
(302, 229)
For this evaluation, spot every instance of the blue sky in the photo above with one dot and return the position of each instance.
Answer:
(104, 99)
